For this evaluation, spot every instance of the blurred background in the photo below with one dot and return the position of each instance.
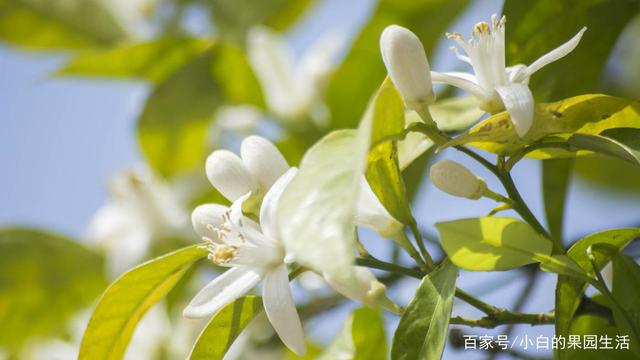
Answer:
(102, 99)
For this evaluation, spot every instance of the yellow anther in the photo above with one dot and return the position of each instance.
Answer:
(222, 254)
(482, 27)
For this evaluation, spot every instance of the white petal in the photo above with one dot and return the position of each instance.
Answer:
(517, 73)
(223, 290)
(229, 175)
(461, 81)
(518, 101)
(268, 210)
(371, 213)
(281, 310)
(205, 216)
(263, 159)
(272, 61)
(555, 54)
(357, 290)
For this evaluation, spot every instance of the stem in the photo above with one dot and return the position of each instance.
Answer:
(423, 249)
(507, 317)
(513, 160)
(401, 239)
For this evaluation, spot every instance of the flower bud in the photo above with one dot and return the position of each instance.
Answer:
(407, 65)
(371, 213)
(229, 175)
(365, 288)
(457, 180)
(263, 159)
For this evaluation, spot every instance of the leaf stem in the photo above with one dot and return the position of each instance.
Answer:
(506, 317)
(423, 249)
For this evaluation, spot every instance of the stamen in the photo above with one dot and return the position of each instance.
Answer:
(482, 28)
(222, 254)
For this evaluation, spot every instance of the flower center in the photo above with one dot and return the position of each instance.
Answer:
(222, 254)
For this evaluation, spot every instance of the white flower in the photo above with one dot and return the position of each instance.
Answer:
(407, 65)
(254, 253)
(372, 214)
(260, 164)
(132, 15)
(292, 89)
(141, 208)
(456, 180)
(366, 289)
(496, 86)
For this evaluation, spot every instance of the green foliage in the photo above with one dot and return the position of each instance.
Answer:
(153, 61)
(361, 338)
(125, 302)
(224, 328)
(329, 178)
(627, 148)
(174, 123)
(362, 70)
(556, 177)
(422, 331)
(584, 114)
(594, 325)
(386, 114)
(569, 290)
(492, 243)
(536, 27)
(235, 17)
(70, 24)
(44, 279)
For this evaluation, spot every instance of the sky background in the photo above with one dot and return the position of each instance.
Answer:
(61, 139)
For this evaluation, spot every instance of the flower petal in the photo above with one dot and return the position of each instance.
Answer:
(281, 310)
(206, 216)
(223, 290)
(268, 210)
(229, 175)
(518, 101)
(263, 159)
(555, 54)
(460, 80)
(371, 213)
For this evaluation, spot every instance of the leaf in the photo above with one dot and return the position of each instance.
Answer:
(386, 113)
(584, 114)
(608, 173)
(569, 290)
(593, 325)
(153, 61)
(234, 18)
(319, 204)
(363, 70)
(608, 146)
(556, 177)
(422, 331)
(44, 279)
(537, 27)
(492, 243)
(225, 326)
(70, 24)
(368, 335)
(178, 113)
(125, 302)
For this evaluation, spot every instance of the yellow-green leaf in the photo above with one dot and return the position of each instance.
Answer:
(422, 331)
(225, 326)
(492, 243)
(44, 279)
(125, 302)
(585, 114)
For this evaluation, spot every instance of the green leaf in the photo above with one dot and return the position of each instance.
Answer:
(368, 334)
(584, 114)
(125, 302)
(234, 18)
(363, 70)
(178, 113)
(153, 61)
(70, 24)
(492, 243)
(608, 173)
(536, 27)
(224, 328)
(44, 279)
(386, 113)
(319, 204)
(556, 176)
(594, 325)
(610, 146)
(569, 290)
(422, 331)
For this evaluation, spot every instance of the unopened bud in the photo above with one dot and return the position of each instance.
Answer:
(457, 180)
(407, 65)
(364, 288)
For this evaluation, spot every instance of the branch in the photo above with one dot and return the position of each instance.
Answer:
(505, 317)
